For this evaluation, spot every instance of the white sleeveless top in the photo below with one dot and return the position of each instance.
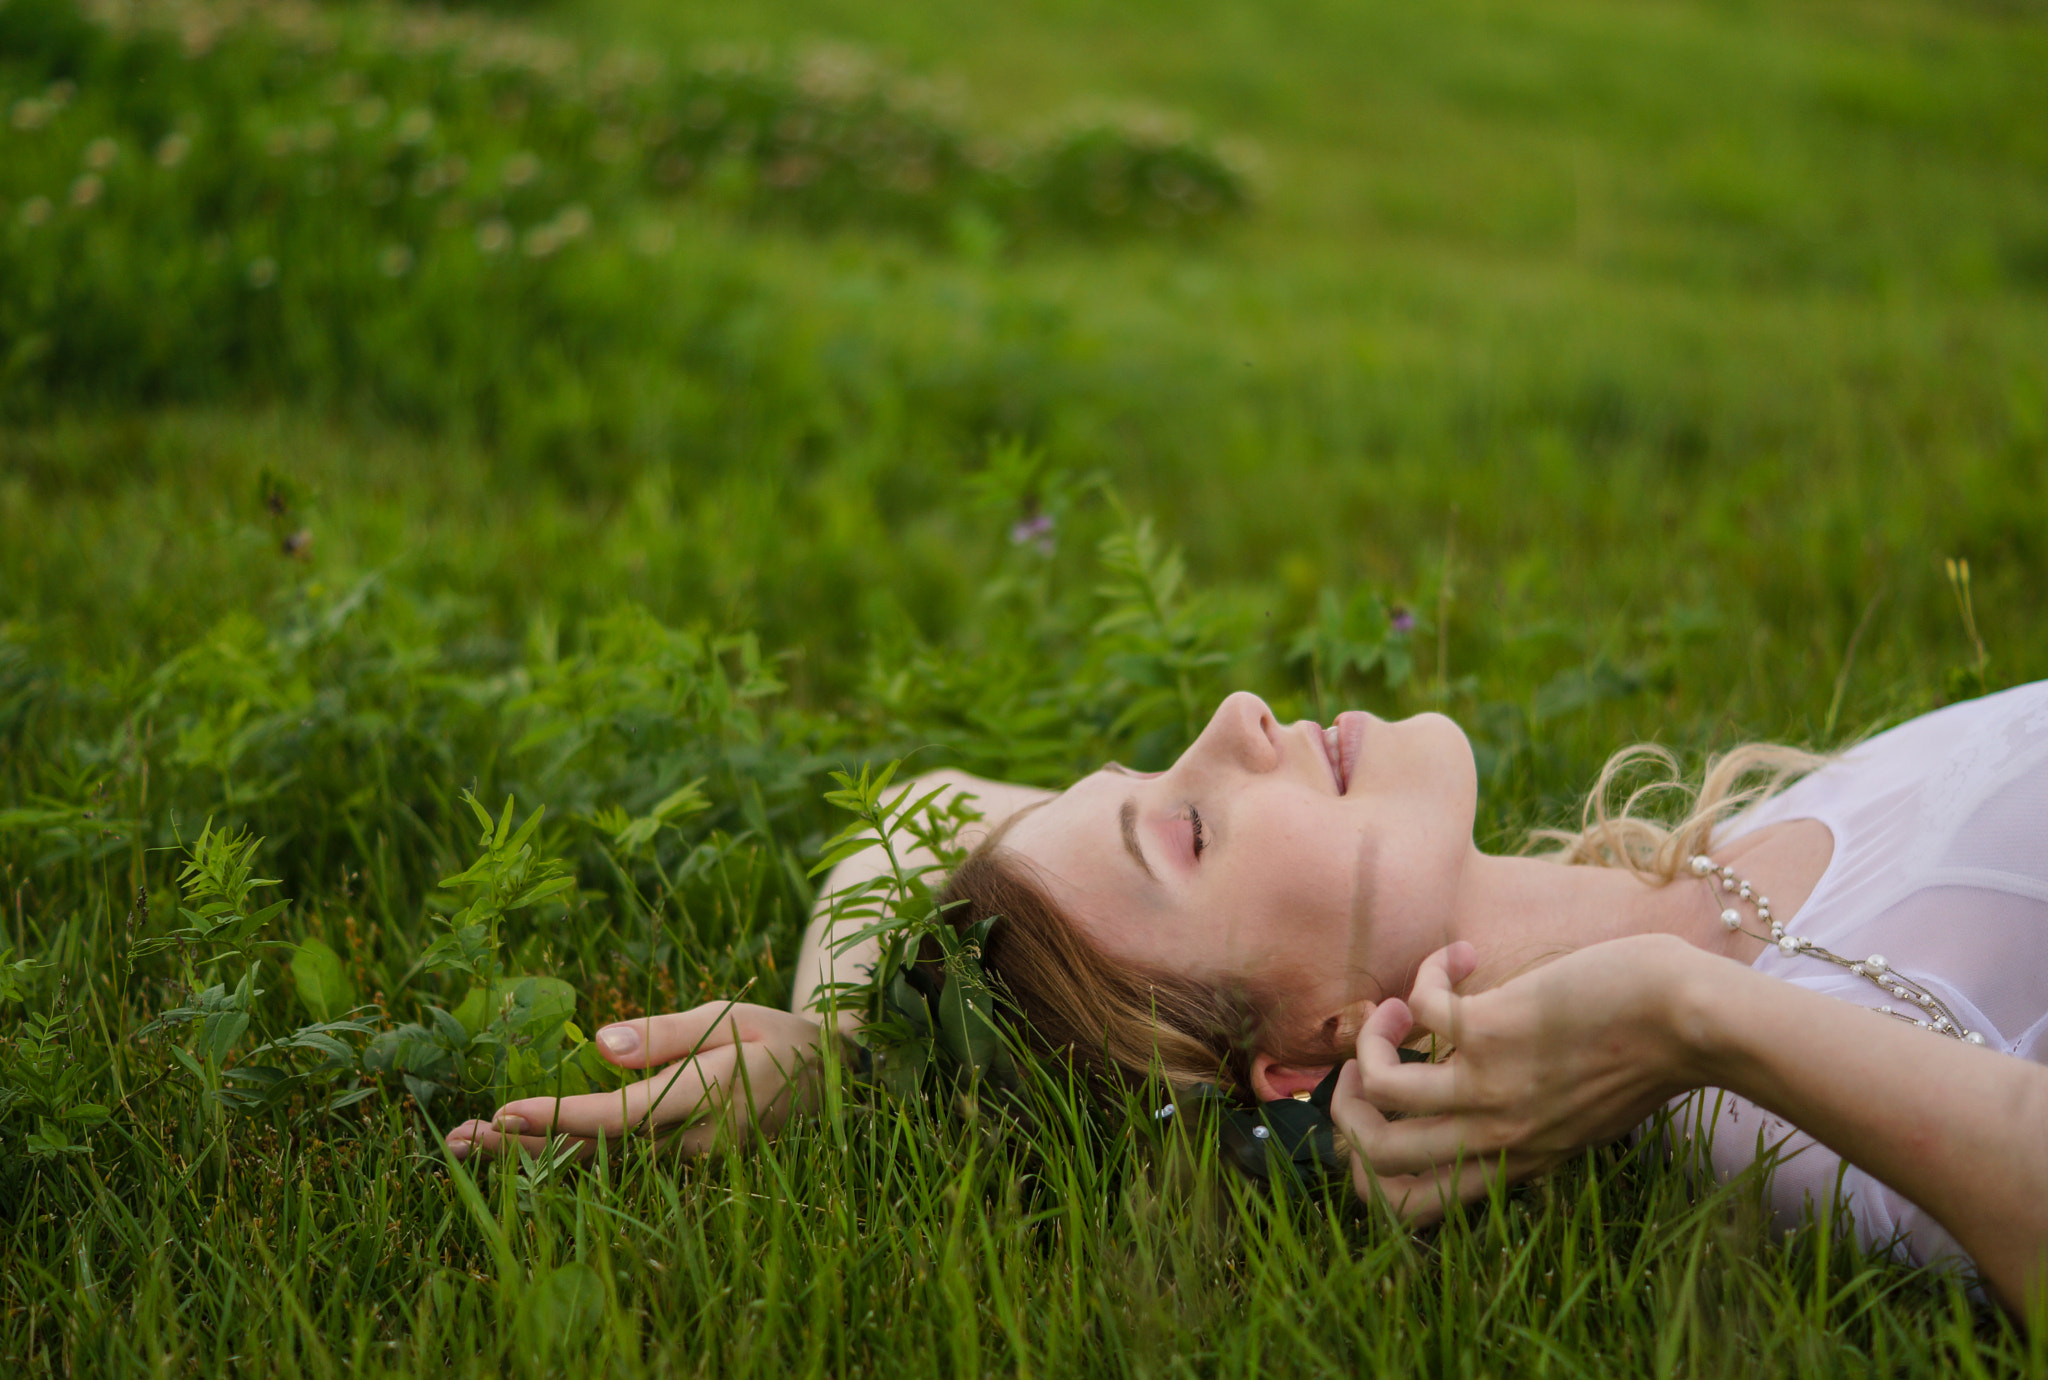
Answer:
(1941, 866)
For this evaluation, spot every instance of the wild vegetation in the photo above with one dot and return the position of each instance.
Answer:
(467, 480)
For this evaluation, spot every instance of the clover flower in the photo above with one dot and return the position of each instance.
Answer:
(101, 153)
(1403, 619)
(262, 272)
(86, 190)
(171, 150)
(493, 236)
(35, 211)
(395, 261)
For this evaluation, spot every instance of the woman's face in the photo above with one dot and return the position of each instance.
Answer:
(1318, 864)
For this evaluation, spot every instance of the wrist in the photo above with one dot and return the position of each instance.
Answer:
(1704, 994)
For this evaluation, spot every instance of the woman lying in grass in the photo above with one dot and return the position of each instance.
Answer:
(1846, 958)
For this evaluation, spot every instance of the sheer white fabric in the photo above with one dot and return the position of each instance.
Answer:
(1940, 865)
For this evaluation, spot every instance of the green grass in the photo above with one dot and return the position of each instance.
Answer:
(1656, 356)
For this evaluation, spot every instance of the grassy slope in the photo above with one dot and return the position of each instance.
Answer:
(1713, 323)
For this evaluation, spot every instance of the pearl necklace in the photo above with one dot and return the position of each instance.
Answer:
(1874, 968)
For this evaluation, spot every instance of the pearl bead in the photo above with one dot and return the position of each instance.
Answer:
(1973, 1038)
(1261, 1132)
(1874, 968)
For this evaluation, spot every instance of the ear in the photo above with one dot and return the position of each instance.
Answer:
(1274, 1081)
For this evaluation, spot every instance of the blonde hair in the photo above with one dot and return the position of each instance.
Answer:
(1636, 840)
(1119, 1024)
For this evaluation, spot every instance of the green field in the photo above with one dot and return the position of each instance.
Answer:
(580, 403)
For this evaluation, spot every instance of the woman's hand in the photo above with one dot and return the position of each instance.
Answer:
(1569, 1055)
(721, 1068)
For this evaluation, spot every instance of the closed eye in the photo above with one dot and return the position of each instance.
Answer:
(1195, 818)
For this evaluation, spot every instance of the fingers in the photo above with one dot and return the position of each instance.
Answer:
(1390, 1085)
(672, 1094)
(1414, 1146)
(752, 1078)
(1434, 998)
(650, 1041)
(480, 1140)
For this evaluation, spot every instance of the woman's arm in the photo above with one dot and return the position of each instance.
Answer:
(818, 963)
(1578, 1051)
(699, 1057)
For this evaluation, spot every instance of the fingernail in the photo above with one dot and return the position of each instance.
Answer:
(511, 1125)
(619, 1039)
(459, 1149)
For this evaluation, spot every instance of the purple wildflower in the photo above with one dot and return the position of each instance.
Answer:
(1403, 620)
(1035, 530)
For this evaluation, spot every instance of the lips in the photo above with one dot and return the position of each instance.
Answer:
(1341, 742)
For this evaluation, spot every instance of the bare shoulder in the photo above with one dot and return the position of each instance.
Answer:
(997, 800)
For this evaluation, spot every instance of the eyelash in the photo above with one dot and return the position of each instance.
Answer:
(1195, 818)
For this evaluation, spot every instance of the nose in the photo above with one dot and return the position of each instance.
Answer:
(1240, 735)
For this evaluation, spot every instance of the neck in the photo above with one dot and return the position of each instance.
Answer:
(1521, 911)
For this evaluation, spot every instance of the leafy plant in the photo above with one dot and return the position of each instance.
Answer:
(910, 1015)
(510, 1033)
(40, 1079)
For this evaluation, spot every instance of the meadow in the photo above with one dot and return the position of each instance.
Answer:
(625, 416)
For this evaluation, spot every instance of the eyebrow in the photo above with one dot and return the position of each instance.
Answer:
(1127, 819)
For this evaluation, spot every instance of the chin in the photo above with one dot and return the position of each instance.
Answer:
(1449, 749)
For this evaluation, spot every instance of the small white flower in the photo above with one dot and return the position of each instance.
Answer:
(31, 113)
(520, 169)
(573, 222)
(35, 210)
(416, 125)
(101, 153)
(262, 272)
(86, 190)
(172, 150)
(370, 112)
(493, 236)
(395, 261)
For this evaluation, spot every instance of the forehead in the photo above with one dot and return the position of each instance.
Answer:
(1074, 844)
